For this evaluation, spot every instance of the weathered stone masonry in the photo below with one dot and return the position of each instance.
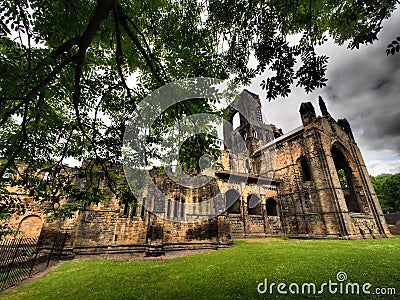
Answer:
(316, 187)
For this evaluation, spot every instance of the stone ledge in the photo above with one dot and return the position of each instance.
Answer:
(394, 229)
(149, 249)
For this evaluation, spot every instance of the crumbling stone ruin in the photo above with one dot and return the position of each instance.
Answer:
(316, 186)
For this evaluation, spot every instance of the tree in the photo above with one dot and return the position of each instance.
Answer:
(387, 187)
(343, 179)
(66, 64)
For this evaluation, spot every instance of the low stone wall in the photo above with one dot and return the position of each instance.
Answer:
(393, 218)
(394, 229)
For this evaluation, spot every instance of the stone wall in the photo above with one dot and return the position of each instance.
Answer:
(29, 220)
(289, 187)
(392, 218)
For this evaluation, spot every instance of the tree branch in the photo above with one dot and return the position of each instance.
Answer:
(100, 13)
(123, 21)
(65, 47)
(36, 89)
(119, 53)
(10, 161)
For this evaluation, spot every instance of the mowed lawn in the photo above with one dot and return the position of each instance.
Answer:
(233, 273)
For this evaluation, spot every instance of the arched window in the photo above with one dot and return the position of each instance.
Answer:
(176, 202)
(126, 209)
(255, 134)
(304, 169)
(247, 166)
(133, 210)
(271, 207)
(194, 205)
(7, 175)
(346, 179)
(254, 205)
(46, 176)
(236, 121)
(232, 201)
(143, 208)
(183, 209)
(342, 178)
(169, 208)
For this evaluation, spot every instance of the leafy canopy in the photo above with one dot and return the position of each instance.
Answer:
(71, 71)
(387, 187)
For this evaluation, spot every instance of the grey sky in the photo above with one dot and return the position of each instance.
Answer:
(364, 87)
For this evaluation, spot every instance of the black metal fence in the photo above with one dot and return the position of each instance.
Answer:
(22, 257)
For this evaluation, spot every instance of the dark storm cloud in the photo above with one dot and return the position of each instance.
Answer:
(389, 128)
(381, 84)
(364, 87)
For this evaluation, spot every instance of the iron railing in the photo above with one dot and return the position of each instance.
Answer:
(22, 257)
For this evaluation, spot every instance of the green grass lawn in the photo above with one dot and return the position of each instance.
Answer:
(225, 274)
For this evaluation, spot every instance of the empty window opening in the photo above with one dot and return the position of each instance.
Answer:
(7, 175)
(236, 121)
(271, 207)
(176, 208)
(183, 209)
(142, 212)
(254, 205)
(169, 208)
(133, 210)
(247, 166)
(305, 169)
(232, 201)
(346, 179)
(46, 176)
(342, 178)
(126, 208)
(255, 133)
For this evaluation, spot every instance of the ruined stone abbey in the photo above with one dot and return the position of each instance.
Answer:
(319, 187)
